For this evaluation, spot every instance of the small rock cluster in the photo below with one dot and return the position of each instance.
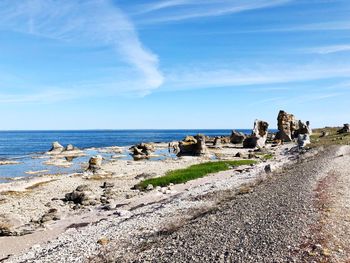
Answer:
(193, 146)
(142, 150)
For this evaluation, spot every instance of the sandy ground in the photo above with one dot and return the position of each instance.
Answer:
(26, 201)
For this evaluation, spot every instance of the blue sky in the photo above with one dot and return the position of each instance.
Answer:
(117, 64)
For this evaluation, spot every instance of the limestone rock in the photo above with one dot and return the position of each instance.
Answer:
(287, 125)
(142, 150)
(56, 148)
(237, 137)
(290, 128)
(259, 135)
(71, 147)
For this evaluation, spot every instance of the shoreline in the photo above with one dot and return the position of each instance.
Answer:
(46, 192)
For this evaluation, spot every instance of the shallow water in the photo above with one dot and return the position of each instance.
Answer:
(27, 147)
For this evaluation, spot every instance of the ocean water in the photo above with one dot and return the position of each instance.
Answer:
(26, 147)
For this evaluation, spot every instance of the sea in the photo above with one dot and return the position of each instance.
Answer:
(27, 147)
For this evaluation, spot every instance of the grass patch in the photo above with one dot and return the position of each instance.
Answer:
(192, 172)
(267, 156)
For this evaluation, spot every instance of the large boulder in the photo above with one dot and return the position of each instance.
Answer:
(194, 146)
(345, 129)
(237, 137)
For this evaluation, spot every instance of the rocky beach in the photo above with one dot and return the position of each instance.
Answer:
(267, 204)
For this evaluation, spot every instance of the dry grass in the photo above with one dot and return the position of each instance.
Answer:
(332, 139)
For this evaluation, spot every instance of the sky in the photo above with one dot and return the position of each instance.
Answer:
(172, 64)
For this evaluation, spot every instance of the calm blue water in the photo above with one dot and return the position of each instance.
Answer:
(19, 143)
(26, 146)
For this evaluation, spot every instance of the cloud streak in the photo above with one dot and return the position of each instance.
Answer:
(179, 10)
(270, 74)
(329, 49)
(96, 22)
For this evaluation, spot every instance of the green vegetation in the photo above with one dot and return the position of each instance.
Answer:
(332, 137)
(267, 156)
(192, 172)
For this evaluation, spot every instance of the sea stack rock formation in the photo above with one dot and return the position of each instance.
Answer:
(287, 125)
(259, 135)
(290, 128)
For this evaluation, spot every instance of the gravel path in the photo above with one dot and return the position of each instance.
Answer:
(271, 224)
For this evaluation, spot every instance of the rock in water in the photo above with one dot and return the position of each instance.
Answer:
(194, 146)
(143, 150)
(70, 147)
(56, 148)
(95, 163)
(345, 129)
(237, 137)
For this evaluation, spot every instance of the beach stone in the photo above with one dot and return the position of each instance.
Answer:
(107, 185)
(345, 129)
(52, 214)
(237, 137)
(103, 241)
(123, 213)
(56, 148)
(149, 187)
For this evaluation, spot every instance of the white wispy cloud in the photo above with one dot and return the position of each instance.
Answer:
(202, 78)
(178, 10)
(328, 49)
(96, 22)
